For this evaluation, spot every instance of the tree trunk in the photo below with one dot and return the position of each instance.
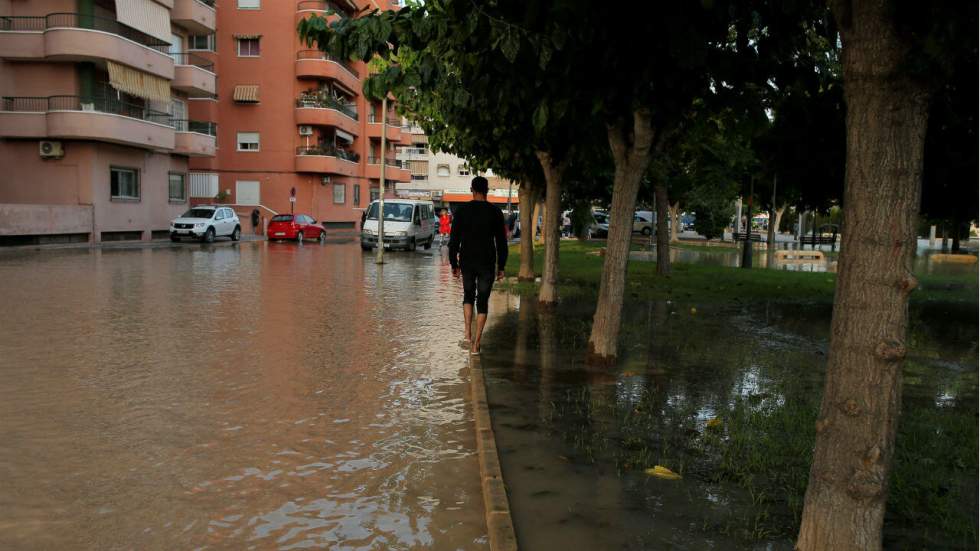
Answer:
(631, 149)
(663, 236)
(534, 220)
(527, 195)
(548, 294)
(675, 222)
(886, 126)
(775, 215)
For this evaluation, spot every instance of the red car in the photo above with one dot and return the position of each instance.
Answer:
(295, 226)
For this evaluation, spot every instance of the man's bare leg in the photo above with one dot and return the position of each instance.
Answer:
(481, 321)
(468, 320)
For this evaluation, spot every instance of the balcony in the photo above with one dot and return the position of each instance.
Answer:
(317, 64)
(343, 8)
(75, 37)
(393, 132)
(323, 110)
(326, 160)
(72, 117)
(194, 75)
(197, 16)
(195, 138)
(395, 170)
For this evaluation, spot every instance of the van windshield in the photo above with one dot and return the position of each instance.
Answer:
(396, 212)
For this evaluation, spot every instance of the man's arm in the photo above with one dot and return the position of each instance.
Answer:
(454, 237)
(500, 237)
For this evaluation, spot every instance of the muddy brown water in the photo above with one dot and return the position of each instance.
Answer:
(234, 397)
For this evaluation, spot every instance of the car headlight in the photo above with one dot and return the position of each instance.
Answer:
(201, 225)
(402, 234)
(369, 232)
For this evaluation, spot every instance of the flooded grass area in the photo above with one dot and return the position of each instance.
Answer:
(724, 393)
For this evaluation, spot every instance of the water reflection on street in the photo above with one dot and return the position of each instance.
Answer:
(257, 396)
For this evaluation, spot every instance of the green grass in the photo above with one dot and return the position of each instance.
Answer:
(579, 273)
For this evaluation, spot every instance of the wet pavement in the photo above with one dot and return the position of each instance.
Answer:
(255, 396)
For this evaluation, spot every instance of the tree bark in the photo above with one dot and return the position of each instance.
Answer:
(534, 220)
(886, 125)
(527, 196)
(775, 215)
(663, 235)
(675, 222)
(631, 146)
(548, 293)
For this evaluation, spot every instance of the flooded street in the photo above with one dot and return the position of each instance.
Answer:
(258, 396)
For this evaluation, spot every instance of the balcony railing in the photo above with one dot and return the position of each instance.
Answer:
(199, 127)
(328, 151)
(389, 161)
(323, 5)
(392, 120)
(326, 101)
(323, 56)
(415, 151)
(77, 103)
(188, 58)
(81, 21)
(209, 3)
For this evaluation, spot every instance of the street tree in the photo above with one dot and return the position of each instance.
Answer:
(895, 54)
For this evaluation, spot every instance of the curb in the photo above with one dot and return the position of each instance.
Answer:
(500, 525)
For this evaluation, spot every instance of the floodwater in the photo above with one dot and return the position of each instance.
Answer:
(575, 441)
(257, 396)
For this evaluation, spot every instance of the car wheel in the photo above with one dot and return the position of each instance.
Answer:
(647, 231)
(174, 238)
(299, 236)
(366, 247)
(322, 237)
(428, 244)
(208, 235)
(237, 234)
(412, 245)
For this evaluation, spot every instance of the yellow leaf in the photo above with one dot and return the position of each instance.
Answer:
(694, 311)
(714, 422)
(663, 472)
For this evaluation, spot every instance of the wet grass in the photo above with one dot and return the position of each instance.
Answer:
(580, 268)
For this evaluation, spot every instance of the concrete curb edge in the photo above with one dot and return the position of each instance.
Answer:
(500, 525)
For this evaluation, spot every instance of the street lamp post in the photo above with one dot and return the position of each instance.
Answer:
(381, 195)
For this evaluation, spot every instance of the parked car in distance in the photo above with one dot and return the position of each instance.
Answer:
(206, 222)
(599, 228)
(408, 224)
(295, 227)
(643, 222)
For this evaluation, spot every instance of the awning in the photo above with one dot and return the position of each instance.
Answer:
(247, 36)
(138, 83)
(344, 136)
(246, 93)
(146, 16)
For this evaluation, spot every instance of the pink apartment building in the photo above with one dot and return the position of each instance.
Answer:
(109, 113)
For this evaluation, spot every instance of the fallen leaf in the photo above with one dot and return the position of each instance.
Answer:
(713, 422)
(663, 472)
(694, 311)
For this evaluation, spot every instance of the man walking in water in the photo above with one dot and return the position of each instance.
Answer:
(478, 253)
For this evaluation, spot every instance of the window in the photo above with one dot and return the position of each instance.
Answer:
(178, 191)
(339, 191)
(417, 177)
(124, 183)
(248, 141)
(442, 170)
(357, 195)
(248, 47)
(374, 195)
(464, 170)
(249, 4)
(201, 42)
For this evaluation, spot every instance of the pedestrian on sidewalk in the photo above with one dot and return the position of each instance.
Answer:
(477, 253)
(445, 226)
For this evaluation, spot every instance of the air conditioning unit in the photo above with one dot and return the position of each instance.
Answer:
(305, 130)
(325, 180)
(51, 150)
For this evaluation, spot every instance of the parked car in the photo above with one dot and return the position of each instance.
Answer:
(643, 222)
(600, 226)
(408, 224)
(295, 226)
(206, 222)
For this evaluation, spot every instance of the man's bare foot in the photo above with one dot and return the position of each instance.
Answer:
(475, 349)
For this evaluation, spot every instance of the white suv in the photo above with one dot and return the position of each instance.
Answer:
(205, 222)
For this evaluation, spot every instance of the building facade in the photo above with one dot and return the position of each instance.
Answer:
(95, 132)
(297, 134)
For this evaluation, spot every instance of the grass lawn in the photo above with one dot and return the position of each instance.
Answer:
(579, 273)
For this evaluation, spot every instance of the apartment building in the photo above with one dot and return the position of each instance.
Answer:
(445, 178)
(95, 132)
(296, 132)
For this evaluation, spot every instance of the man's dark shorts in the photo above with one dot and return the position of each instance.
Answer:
(477, 284)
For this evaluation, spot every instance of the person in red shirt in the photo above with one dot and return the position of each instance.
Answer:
(445, 227)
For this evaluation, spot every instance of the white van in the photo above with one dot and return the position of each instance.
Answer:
(408, 224)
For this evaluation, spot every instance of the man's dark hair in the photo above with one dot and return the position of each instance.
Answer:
(479, 184)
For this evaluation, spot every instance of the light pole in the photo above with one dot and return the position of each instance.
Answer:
(381, 195)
